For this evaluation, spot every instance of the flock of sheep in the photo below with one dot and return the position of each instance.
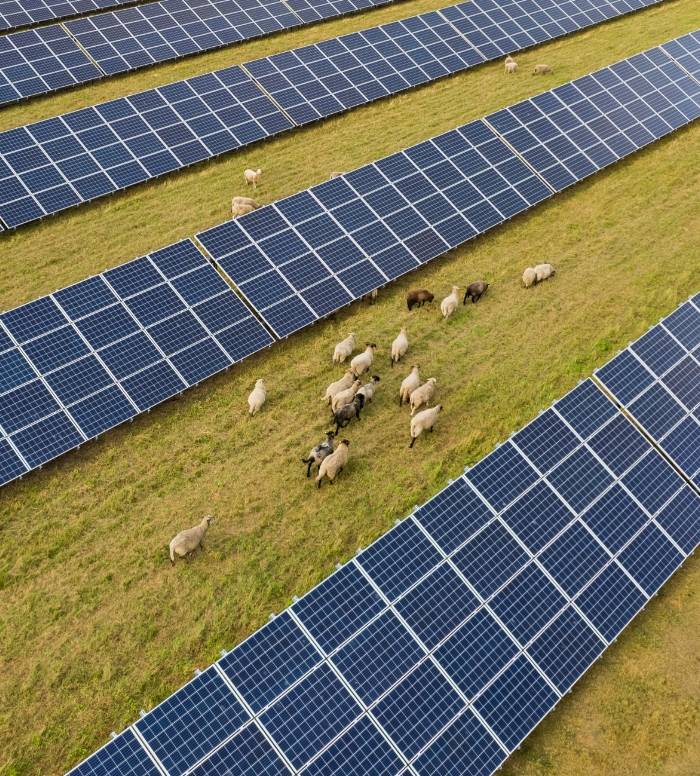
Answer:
(511, 66)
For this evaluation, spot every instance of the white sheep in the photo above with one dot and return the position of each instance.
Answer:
(423, 395)
(409, 385)
(363, 361)
(339, 385)
(544, 271)
(511, 66)
(332, 465)
(399, 346)
(449, 303)
(252, 177)
(369, 388)
(345, 397)
(335, 175)
(241, 207)
(424, 421)
(257, 397)
(344, 349)
(541, 70)
(529, 277)
(187, 541)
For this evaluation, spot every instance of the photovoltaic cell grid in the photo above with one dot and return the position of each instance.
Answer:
(445, 642)
(657, 380)
(60, 162)
(21, 13)
(309, 83)
(305, 256)
(91, 356)
(577, 129)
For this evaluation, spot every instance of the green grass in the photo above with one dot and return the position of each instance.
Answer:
(95, 624)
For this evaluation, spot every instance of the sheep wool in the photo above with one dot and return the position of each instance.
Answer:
(544, 271)
(334, 464)
(369, 388)
(424, 421)
(339, 385)
(409, 384)
(187, 541)
(252, 177)
(319, 452)
(257, 397)
(344, 348)
(363, 361)
(423, 395)
(529, 277)
(345, 397)
(449, 303)
(418, 297)
(399, 347)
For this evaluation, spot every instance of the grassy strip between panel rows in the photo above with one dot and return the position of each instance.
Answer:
(94, 624)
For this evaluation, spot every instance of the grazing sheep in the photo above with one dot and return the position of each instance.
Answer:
(409, 385)
(511, 66)
(335, 175)
(241, 206)
(371, 298)
(187, 541)
(349, 411)
(449, 303)
(333, 464)
(344, 349)
(257, 397)
(424, 421)
(252, 177)
(529, 277)
(418, 296)
(541, 70)
(544, 271)
(339, 385)
(423, 395)
(369, 388)
(321, 451)
(399, 347)
(475, 291)
(344, 397)
(363, 361)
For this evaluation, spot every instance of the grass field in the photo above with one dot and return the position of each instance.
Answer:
(94, 622)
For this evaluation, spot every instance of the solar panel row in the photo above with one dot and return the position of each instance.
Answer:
(307, 84)
(21, 13)
(304, 257)
(439, 647)
(93, 355)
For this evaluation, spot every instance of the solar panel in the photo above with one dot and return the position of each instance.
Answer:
(39, 61)
(581, 127)
(77, 157)
(17, 13)
(60, 162)
(92, 355)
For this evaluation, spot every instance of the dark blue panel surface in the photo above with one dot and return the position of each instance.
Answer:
(248, 753)
(102, 411)
(611, 601)
(47, 439)
(625, 376)
(574, 558)
(684, 325)
(537, 516)
(124, 755)
(657, 410)
(585, 408)
(681, 519)
(619, 445)
(651, 559)
(580, 479)
(502, 476)
(269, 661)
(10, 464)
(615, 518)
(652, 481)
(546, 440)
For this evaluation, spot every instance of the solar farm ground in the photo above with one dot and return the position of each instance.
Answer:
(95, 624)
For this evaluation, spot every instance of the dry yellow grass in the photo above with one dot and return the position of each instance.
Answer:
(95, 624)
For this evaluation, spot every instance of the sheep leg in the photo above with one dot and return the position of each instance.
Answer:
(466, 294)
(308, 468)
(413, 441)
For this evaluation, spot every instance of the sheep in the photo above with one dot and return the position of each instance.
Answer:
(363, 361)
(511, 66)
(369, 388)
(344, 349)
(187, 541)
(529, 277)
(344, 397)
(333, 464)
(240, 207)
(422, 395)
(424, 421)
(371, 298)
(339, 385)
(475, 291)
(399, 347)
(544, 271)
(321, 451)
(252, 177)
(349, 411)
(449, 303)
(335, 175)
(257, 397)
(409, 385)
(542, 70)
(418, 296)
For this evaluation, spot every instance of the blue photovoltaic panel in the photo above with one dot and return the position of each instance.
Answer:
(38, 61)
(502, 476)
(537, 516)
(20, 13)
(615, 518)
(269, 661)
(95, 354)
(62, 161)
(680, 518)
(619, 445)
(651, 559)
(124, 756)
(652, 481)
(192, 721)
(686, 51)
(546, 440)
(578, 128)
(580, 479)
(310, 715)
(248, 753)
(586, 408)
